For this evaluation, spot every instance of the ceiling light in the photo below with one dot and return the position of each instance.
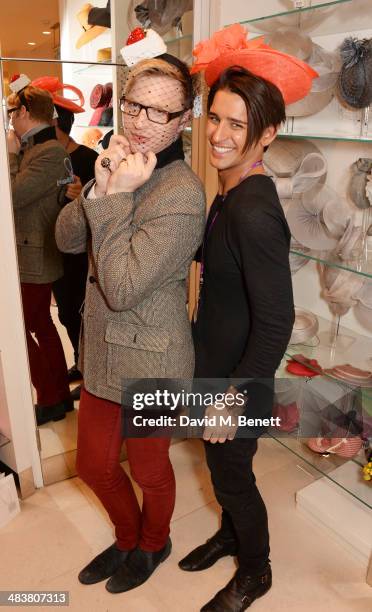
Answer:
(46, 32)
(31, 43)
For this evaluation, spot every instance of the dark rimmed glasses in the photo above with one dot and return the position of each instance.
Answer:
(156, 115)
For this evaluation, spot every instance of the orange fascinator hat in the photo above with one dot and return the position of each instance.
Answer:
(230, 47)
(53, 85)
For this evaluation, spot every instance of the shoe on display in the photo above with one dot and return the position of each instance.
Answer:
(74, 375)
(240, 592)
(207, 554)
(137, 568)
(103, 565)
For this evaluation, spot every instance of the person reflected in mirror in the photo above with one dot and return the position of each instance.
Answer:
(143, 219)
(37, 164)
(69, 290)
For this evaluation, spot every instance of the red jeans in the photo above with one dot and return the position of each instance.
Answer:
(47, 360)
(98, 464)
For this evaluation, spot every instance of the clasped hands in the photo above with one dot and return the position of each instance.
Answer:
(126, 171)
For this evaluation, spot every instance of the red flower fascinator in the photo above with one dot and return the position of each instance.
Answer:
(230, 47)
(53, 85)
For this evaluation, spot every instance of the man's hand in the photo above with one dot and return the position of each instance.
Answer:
(118, 150)
(229, 415)
(132, 173)
(74, 189)
(14, 144)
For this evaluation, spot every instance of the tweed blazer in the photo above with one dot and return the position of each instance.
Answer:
(135, 322)
(37, 202)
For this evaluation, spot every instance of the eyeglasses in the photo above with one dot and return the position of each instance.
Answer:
(153, 114)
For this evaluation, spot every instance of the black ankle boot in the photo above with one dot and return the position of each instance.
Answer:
(137, 569)
(207, 554)
(239, 593)
(103, 566)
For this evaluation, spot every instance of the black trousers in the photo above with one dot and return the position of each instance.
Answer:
(69, 293)
(244, 516)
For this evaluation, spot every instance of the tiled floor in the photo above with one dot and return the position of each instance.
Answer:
(63, 526)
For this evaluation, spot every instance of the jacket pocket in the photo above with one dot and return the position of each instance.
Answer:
(30, 248)
(134, 352)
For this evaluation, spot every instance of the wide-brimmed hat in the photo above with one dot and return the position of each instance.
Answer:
(355, 82)
(230, 47)
(90, 31)
(54, 85)
(326, 64)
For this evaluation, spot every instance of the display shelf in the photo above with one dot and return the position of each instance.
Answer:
(321, 18)
(346, 138)
(359, 265)
(334, 345)
(3, 440)
(326, 466)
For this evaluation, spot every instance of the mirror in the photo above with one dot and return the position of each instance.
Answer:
(53, 301)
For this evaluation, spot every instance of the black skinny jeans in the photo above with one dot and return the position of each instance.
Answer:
(244, 516)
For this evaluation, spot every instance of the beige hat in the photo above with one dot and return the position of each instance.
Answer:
(340, 288)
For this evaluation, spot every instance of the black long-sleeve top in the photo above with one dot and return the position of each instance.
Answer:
(246, 310)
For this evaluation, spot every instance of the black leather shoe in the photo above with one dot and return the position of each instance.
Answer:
(239, 593)
(103, 566)
(55, 412)
(74, 375)
(75, 394)
(137, 569)
(207, 554)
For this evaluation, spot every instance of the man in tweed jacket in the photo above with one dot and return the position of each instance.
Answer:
(36, 161)
(143, 220)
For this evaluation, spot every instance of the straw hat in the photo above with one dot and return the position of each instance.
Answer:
(90, 31)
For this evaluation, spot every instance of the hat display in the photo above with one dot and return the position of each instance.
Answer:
(142, 44)
(351, 374)
(90, 31)
(230, 47)
(295, 42)
(101, 100)
(350, 240)
(305, 326)
(340, 288)
(160, 15)
(306, 222)
(358, 182)
(54, 85)
(309, 20)
(296, 167)
(355, 81)
(296, 262)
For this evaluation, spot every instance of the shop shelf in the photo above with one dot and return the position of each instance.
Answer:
(334, 345)
(327, 466)
(345, 138)
(359, 265)
(321, 18)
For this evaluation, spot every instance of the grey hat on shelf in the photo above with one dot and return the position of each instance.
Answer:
(160, 15)
(355, 81)
(358, 182)
(297, 43)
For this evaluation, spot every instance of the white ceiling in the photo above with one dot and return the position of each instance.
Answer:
(22, 21)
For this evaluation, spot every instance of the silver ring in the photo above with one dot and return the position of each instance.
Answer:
(106, 162)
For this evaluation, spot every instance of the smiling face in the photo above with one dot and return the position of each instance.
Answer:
(163, 93)
(227, 130)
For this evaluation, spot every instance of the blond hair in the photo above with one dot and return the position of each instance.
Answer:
(38, 102)
(160, 67)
